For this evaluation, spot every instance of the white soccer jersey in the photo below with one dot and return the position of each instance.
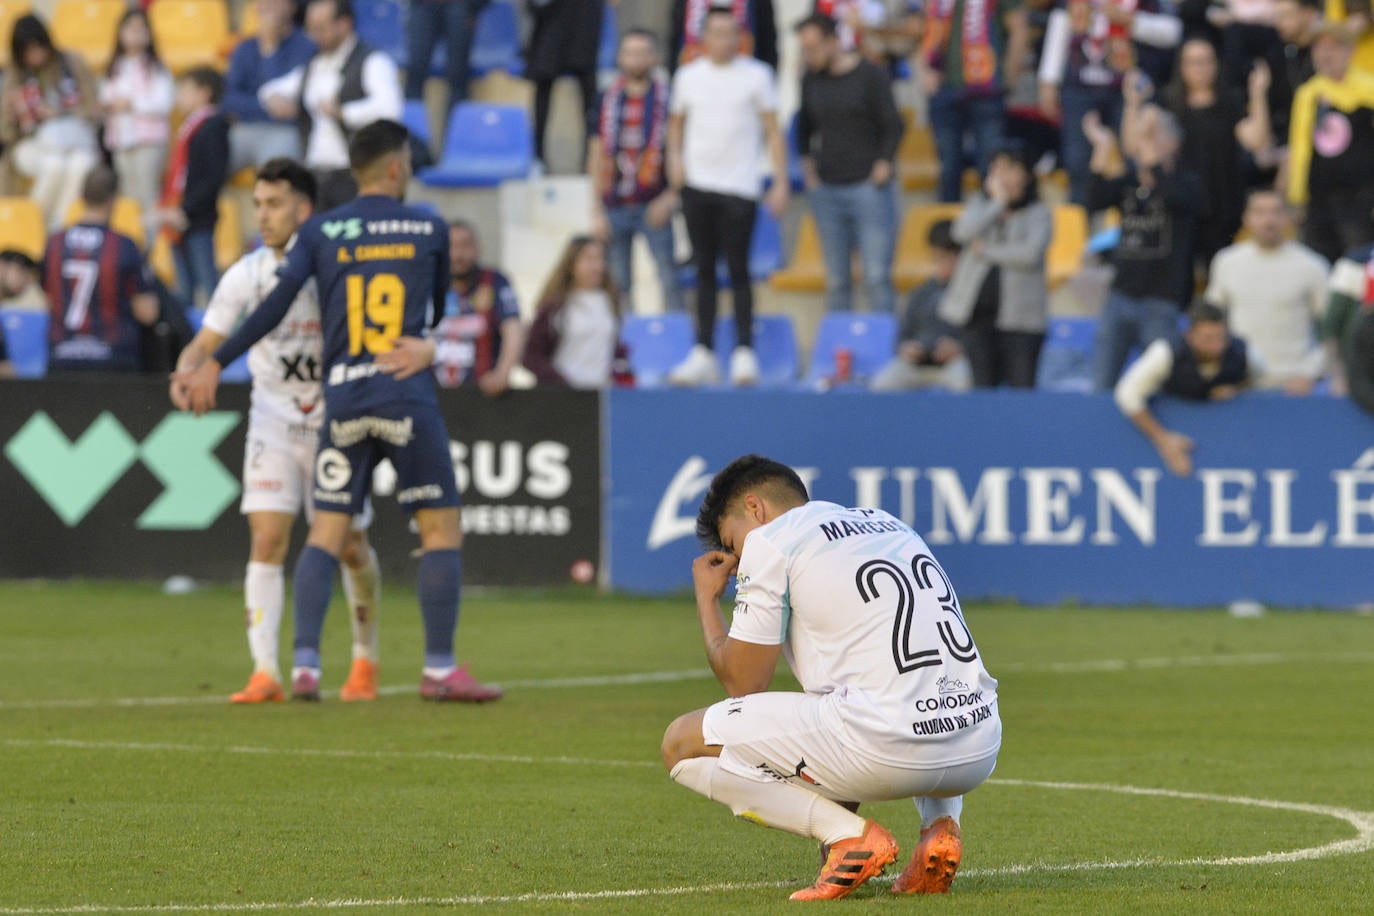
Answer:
(862, 609)
(286, 363)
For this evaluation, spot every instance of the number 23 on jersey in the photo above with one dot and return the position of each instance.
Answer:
(376, 307)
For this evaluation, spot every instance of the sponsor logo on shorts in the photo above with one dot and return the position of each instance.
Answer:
(333, 472)
(344, 433)
(420, 494)
(342, 374)
(338, 499)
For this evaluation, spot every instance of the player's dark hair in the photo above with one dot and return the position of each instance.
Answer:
(29, 31)
(1205, 312)
(640, 32)
(941, 236)
(822, 23)
(206, 78)
(749, 472)
(377, 141)
(100, 187)
(284, 168)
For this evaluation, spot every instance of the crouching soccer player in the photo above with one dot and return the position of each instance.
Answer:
(381, 267)
(283, 430)
(896, 701)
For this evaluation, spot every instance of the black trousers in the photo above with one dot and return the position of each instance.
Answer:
(1002, 357)
(333, 188)
(1337, 223)
(543, 99)
(721, 224)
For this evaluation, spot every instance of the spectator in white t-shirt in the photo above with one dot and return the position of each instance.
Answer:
(722, 114)
(1274, 292)
(575, 334)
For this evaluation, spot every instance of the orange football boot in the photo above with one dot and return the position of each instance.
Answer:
(262, 688)
(935, 861)
(852, 862)
(362, 682)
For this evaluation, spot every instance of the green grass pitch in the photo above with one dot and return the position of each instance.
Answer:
(553, 800)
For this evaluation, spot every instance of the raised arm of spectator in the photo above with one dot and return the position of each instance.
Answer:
(1137, 112)
(1018, 46)
(1142, 381)
(1054, 59)
(1253, 132)
(1108, 173)
(976, 217)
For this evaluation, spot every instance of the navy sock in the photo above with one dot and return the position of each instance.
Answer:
(313, 587)
(440, 587)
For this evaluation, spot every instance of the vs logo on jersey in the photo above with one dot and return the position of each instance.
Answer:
(347, 229)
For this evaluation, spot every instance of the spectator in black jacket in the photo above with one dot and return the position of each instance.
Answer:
(1160, 204)
(197, 169)
(847, 134)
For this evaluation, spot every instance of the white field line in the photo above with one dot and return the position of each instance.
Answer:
(1091, 666)
(1362, 821)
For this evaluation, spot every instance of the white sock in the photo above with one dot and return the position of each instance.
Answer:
(774, 804)
(299, 670)
(363, 588)
(264, 593)
(438, 674)
(932, 809)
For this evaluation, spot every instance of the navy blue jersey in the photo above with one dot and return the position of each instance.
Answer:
(382, 271)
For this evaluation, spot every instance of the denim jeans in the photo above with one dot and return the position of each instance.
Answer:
(1075, 151)
(194, 257)
(953, 116)
(456, 20)
(863, 216)
(1129, 322)
(625, 222)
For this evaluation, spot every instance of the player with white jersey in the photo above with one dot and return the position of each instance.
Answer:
(896, 702)
(283, 435)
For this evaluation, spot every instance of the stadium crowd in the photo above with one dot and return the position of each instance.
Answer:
(1223, 151)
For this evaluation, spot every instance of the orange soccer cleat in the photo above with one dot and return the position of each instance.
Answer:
(362, 682)
(262, 688)
(851, 863)
(935, 861)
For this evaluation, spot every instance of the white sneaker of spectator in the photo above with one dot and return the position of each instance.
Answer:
(744, 367)
(699, 368)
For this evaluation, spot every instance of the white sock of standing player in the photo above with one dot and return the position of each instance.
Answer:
(363, 589)
(264, 592)
(932, 809)
(771, 803)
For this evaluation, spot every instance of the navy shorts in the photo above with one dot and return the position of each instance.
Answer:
(412, 437)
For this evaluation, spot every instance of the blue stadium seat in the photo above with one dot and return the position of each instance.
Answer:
(380, 24)
(870, 337)
(484, 146)
(775, 345)
(26, 339)
(656, 343)
(496, 44)
(765, 255)
(1066, 361)
(610, 39)
(236, 373)
(416, 119)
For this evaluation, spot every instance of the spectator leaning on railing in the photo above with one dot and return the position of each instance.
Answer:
(1208, 364)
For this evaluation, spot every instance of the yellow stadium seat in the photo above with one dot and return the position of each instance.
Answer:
(10, 10)
(1065, 256)
(21, 226)
(805, 273)
(127, 219)
(87, 27)
(228, 234)
(248, 19)
(914, 262)
(190, 33)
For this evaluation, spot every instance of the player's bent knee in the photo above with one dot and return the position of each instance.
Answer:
(683, 739)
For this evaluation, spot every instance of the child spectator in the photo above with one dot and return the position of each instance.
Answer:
(573, 340)
(190, 196)
(19, 289)
(137, 98)
(47, 115)
(928, 350)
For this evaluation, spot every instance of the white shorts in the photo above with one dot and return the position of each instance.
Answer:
(799, 738)
(279, 471)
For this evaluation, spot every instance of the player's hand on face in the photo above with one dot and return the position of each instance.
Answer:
(711, 573)
(409, 356)
(199, 386)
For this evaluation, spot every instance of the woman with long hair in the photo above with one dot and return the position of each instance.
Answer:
(573, 340)
(137, 96)
(47, 116)
(998, 296)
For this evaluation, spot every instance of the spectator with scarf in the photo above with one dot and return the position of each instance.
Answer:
(1090, 46)
(574, 339)
(972, 54)
(758, 29)
(190, 196)
(480, 338)
(626, 159)
(47, 118)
